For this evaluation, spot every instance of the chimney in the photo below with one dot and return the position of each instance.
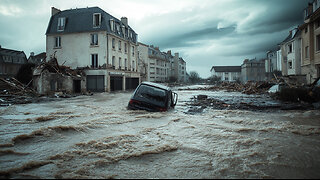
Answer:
(54, 11)
(169, 52)
(32, 54)
(124, 20)
(176, 55)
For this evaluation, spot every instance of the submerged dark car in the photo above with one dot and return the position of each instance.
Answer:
(152, 97)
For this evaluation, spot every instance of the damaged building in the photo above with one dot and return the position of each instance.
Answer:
(49, 78)
(104, 47)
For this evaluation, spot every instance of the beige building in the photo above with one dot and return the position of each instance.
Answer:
(253, 70)
(179, 68)
(310, 35)
(157, 66)
(100, 44)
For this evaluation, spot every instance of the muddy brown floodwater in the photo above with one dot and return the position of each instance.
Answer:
(97, 137)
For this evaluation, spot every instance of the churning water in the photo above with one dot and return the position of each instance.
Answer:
(97, 137)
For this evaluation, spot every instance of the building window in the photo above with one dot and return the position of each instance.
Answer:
(125, 47)
(118, 28)
(120, 63)
(94, 39)
(290, 64)
(317, 24)
(318, 42)
(94, 60)
(113, 61)
(289, 48)
(306, 30)
(125, 64)
(61, 23)
(119, 45)
(96, 20)
(307, 51)
(133, 65)
(57, 41)
(132, 50)
(112, 25)
(113, 43)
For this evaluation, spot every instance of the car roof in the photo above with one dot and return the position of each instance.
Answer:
(156, 85)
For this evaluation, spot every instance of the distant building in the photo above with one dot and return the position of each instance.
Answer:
(179, 69)
(157, 66)
(11, 61)
(170, 66)
(226, 73)
(253, 70)
(95, 41)
(144, 62)
(37, 59)
(273, 63)
(310, 43)
(291, 53)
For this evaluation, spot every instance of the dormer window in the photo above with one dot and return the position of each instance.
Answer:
(118, 28)
(61, 23)
(123, 30)
(112, 25)
(96, 20)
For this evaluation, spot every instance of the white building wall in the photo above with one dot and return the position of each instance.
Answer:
(279, 67)
(291, 60)
(75, 50)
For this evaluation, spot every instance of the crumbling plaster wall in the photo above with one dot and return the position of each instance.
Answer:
(48, 83)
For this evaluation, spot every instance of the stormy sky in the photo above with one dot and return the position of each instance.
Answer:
(206, 33)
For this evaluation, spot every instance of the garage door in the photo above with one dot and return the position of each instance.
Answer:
(95, 83)
(132, 83)
(115, 83)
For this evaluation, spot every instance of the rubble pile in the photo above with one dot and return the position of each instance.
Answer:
(199, 103)
(248, 88)
(14, 92)
(53, 66)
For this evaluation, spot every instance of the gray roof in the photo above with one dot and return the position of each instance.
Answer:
(226, 68)
(289, 37)
(14, 54)
(81, 20)
(37, 59)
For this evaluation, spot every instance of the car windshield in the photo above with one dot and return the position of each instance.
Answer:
(152, 95)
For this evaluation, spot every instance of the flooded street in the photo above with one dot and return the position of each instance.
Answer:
(97, 137)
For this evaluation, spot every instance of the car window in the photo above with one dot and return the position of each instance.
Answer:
(152, 94)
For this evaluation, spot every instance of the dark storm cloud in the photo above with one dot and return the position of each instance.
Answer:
(189, 39)
(204, 32)
(280, 15)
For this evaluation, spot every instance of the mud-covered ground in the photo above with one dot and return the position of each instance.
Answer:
(97, 137)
